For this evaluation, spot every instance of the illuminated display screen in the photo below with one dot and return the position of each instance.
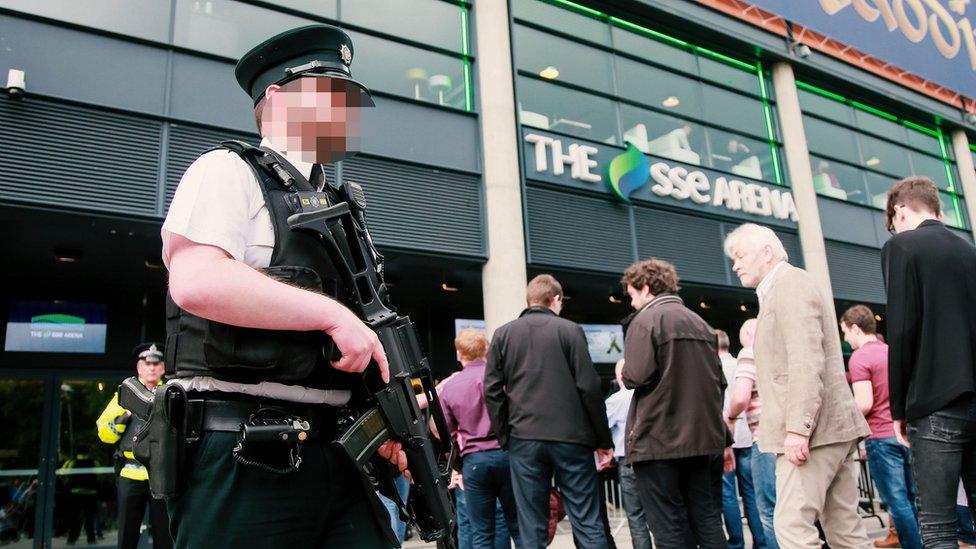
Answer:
(56, 327)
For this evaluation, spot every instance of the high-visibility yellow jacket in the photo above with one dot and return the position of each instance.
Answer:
(112, 424)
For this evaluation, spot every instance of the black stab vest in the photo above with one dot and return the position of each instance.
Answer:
(196, 346)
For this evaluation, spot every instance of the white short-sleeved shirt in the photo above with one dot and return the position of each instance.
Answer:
(219, 203)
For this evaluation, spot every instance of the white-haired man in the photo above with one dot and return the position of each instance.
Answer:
(809, 418)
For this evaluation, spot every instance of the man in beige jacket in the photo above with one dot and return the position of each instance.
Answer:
(809, 417)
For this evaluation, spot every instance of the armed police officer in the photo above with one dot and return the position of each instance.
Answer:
(116, 425)
(257, 332)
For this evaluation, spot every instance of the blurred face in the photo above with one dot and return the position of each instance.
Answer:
(150, 372)
(639, 298)
(751, 265)
(317, 117)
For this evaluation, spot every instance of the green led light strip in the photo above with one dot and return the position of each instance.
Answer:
(465, 49)
(768, 116)
(874, 111)
(948, 170)
(923, 129)
(820, 91)
(581, 8)
(656, 35)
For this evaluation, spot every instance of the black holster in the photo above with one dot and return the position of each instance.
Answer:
(161, 444)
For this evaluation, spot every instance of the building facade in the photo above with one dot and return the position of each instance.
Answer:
(509, 138)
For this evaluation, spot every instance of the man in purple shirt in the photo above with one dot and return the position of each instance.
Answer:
(889, 461)
(484, 463)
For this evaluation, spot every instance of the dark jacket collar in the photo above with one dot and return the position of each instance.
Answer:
(536, 309)
(931, 223)
(664, 297)
(658, 300)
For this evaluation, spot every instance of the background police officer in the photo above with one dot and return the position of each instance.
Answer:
(133, 488)
(254, 315)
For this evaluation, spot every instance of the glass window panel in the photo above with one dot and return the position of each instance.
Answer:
(20, 447)
(838, 180)
(322, 8)
(148, 19)
(878, 186)
(740, 155)
(408, 71)
(884, 156)
(426, 21)
(925, 142)
(770, 89)
(957, 182)
(735, 111)
(728, 75)
(663, 135)
(933, 168)
(654, 51)
(954, 211)
(563, 20)
(551, 107)
(228, 28)
(879, 126)
(658, 88)
(826, 138)
(828, 108)
(562, 60)
(86, 472)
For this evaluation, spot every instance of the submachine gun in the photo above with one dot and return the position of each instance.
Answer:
(385, 411)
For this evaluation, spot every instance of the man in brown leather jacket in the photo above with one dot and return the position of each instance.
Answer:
(675, 433)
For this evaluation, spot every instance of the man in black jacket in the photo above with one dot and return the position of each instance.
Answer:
(676, 437)
(930, 277)
(546, 407)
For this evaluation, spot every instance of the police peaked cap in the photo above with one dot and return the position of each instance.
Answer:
(150, 351)
(315, 50)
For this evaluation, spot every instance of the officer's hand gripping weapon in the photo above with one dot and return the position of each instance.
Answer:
(389, 411)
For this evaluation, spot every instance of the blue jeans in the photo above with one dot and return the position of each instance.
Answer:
(891, 470)
(487, 483)
(502, 540)
(730, 502)
(731, 512)
(764, 481)
(640, 536)
(965, 528)
(403, 489)
(533, 464)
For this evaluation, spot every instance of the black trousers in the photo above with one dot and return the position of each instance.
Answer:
(943, 450)
(227, 504)
(533, 464)
(133, 498)
(681, 502)
(83, 511)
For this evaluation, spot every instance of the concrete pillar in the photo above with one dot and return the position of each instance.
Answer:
(503, 278)
(967, 174)
(801, 176)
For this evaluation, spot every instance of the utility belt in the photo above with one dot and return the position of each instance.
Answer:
(270, 433)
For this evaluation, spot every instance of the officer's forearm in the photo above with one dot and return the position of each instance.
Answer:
(206, 282)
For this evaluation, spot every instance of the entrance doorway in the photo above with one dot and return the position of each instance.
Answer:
(57, 478)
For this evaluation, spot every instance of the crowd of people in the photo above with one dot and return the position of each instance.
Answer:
(694, 430)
